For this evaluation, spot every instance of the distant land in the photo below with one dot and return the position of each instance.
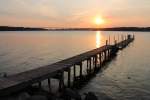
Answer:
(9, 28)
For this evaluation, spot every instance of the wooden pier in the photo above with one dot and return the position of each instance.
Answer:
(94, 58)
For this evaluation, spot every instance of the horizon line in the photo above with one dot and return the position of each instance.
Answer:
(76, 27)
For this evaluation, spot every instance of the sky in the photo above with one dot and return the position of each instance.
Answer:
(74, 13)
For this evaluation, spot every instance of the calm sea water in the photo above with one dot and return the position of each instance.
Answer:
(127, 77)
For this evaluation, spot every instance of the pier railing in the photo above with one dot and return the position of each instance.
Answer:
(94, 58)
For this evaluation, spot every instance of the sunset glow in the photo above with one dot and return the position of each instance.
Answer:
(99, 20)
(79, 13)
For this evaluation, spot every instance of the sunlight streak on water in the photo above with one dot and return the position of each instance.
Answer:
(98, 39)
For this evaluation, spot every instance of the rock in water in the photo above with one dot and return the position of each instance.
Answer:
(91, 96)
(69, 93)
(24, 96)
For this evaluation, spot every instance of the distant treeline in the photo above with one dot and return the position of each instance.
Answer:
(146, 29)
(127, 29)
(7, 28)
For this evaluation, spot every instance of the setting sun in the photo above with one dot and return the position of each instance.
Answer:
(99, 20)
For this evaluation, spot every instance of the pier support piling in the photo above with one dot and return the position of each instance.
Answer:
(61, 81)
(69, 77)
(40, 84)
(100, 60)
(49, 84)
(80, 70)
(95, 63)
(74, 72)
(90, 69)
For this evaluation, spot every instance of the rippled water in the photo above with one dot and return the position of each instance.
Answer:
(125, 78)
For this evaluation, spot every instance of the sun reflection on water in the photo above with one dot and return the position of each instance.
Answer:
(98, 39)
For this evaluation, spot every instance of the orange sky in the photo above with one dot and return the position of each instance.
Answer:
(74, 13)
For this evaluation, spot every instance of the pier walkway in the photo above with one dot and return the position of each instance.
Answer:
(94, 58)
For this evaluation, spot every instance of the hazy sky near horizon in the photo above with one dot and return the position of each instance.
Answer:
(74, 13)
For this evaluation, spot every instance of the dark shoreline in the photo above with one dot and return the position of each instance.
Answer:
(137, 29)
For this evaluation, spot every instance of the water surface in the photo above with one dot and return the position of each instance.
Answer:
(125, 78)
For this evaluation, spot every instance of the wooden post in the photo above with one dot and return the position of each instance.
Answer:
(105, 56)
(40, 84)
(125, 41)
(61, 81)
(49, 84)
(87, 66)
(100, 60)
(114, 39)
(60, 89)
(115, 42)
(80, 70)
(109, 39)
(106, 42)
(106, 50)
(90, 66)
(69, 76)
(122, 40)
(109, 53)
(93, 61)
(133, 36)
(74, 69)
(95, 66)
(118, 37)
